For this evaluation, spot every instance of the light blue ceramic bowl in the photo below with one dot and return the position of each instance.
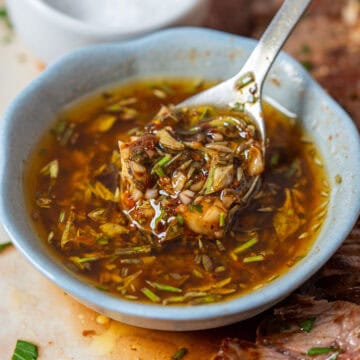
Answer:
(176, 52)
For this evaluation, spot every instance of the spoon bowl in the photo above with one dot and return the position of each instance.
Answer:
(245, 88)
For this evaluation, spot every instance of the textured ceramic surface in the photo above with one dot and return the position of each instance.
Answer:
(53, 28)
(176, 52)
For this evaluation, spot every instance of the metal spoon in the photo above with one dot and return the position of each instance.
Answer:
(245, 88)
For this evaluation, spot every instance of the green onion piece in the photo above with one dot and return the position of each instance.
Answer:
(180, 219)
(144, 249)
(208, 186)
(174, 299)
(164, 287)
(163, 161)
(222, 220)
(334, 356)
(179, 354)
(220, 269)
(307, 325)
(25, 350)
(4, 245)
(239, 107)
(158, 167)
(161, 215)
(204, 114)
(88, 259)
(102, 240)
(198, 274)
(320, 350)
(206, 299)
(196, 207)
(150, 295)
(246, 245)
(102, 287)
(158, 171)
(255, 258)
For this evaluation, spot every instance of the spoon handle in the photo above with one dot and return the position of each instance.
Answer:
(270, 43)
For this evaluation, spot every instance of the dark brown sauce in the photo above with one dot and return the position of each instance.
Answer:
(76, 207)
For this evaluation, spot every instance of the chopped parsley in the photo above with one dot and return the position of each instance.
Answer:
(307, 325)
(25, 350)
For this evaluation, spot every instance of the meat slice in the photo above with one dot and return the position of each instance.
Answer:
(235, 349)
(334, 329)
(335, 325)
(339, 279)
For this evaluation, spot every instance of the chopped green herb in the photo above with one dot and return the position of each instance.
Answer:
(163, 161)
(198, 274)
(254, 258)
(245, 246)
(239, 107)
(5, 245)
(220, 269)
(62, 216)
(158, 171)
(208, 186)
(145, 249)
(179, 354)
(150, 295)
(320, 350)
(102, 287)
(196, 207)
(159, 218)
(307, 325)
(85, 259)
(102, 240)
(180, 219)
(25, 350)
(164, 287)
(222, 220)
(206, 112)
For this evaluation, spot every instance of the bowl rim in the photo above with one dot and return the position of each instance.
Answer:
(286, 283)
(86, 29)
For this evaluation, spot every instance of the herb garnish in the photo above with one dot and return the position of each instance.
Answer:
(254, 258)
(307, 325)
(320, 350)
(246, 245)
(150, 295)
(25, 350)
(4, 245)
(164, 287)
(196, 207)
(179, 354)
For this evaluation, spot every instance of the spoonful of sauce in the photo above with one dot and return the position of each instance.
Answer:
(196, 165)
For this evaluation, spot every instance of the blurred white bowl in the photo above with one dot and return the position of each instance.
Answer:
(52, 28)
